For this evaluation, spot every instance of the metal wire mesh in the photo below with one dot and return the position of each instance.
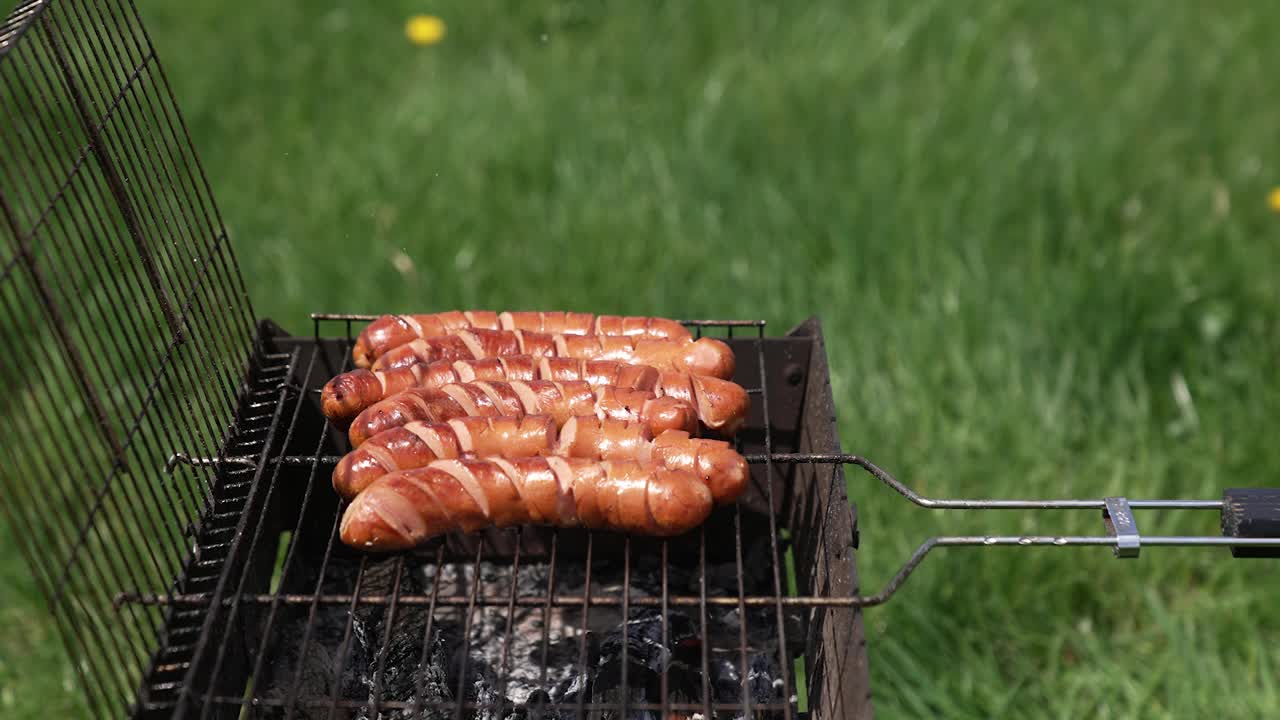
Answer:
(170, 492)
(127, 326)
(298, 625)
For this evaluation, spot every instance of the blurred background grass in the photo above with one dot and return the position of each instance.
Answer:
(1037, 235)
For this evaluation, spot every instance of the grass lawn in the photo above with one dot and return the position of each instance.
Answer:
(1037, 235)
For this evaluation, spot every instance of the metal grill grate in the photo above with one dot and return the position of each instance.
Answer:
(127, 324)
(291, 595)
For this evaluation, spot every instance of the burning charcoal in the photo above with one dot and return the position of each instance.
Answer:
(764, 684)
(539, 706)
(647, 657)
(286, 675)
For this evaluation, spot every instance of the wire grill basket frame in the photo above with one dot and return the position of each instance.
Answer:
(127, 324)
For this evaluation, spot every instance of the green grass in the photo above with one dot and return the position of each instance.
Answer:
(1023, 224)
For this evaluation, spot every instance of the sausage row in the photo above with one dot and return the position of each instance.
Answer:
(417, 444)
(389, 331)
(705, 356)
(404, 509)
(721, 405)
(560, 400)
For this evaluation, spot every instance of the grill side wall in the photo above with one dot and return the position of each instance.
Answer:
(825, 524)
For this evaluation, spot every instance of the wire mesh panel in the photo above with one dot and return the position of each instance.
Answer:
(168, 470)
(748, 616)
(126, 326)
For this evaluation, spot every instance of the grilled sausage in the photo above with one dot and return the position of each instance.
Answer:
(390, 331)
(537, 397)
(705, 356)
(415, 445)
(418, 443)
(405, 509)
(722, 405)
(347, 394)
(718, 465)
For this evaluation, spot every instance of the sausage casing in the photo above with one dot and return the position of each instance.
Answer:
(704, 356)
(405, 509)
(560, 400)
(419, 443)
(722, 405)
(344, 396)
(389, 331)
(721, 468)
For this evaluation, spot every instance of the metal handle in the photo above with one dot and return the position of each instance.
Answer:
(1251, 513)
(1250, 524)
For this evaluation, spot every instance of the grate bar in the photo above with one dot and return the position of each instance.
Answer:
(112, 174)
(349, 704)
(365, 317)
(796, 459)
(419, 677)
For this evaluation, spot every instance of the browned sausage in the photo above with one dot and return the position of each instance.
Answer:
(714, 462)
(414, 445)
(705, 356)
(404, 509)
(418, 443)
(722, 405)
(347, 394)
(537, 397)
(390, 331)
(598, 372)
(437, 405)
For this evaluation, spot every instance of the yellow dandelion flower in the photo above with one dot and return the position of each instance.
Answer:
(1273, 200)
(424, 29)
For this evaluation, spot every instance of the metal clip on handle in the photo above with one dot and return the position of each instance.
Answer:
(1118, 518)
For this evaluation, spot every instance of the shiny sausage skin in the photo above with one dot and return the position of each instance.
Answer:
(347, 394)
(722, 469)
(418, 443)
(435, 405)
(560, 400)
(704, 356)
(461, 345)
(722, 405)
(405, 509)
(390, 331)
(714, 462)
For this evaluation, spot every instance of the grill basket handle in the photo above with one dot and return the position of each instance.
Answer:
(1251, 513)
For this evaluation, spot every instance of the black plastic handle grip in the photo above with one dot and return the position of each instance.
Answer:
(1251, 512)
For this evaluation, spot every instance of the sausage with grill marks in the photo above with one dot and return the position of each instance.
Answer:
(722, 405)
(719, 466)
(347, 394)
(704, 356)
(390, 331)
(418, 443)
(405, 509)
(537, 397)
(415, 445)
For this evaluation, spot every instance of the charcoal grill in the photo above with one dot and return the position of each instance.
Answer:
(171, 490)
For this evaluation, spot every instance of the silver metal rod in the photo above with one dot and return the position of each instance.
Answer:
(1044, 541)
(964, 504)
